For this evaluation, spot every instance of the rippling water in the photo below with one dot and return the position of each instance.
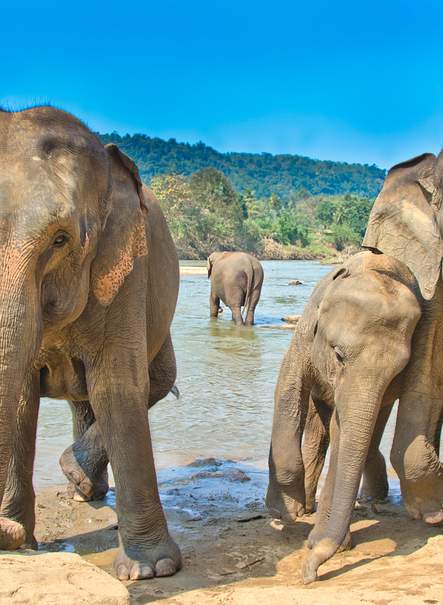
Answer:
(226, 378)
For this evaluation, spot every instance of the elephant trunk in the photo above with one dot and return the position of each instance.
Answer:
(20, 327)
(357, 416)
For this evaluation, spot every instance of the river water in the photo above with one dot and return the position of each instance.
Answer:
(226, 377)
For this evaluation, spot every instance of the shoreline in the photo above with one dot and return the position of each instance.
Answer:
(191, 266)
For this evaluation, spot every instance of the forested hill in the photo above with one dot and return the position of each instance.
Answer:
(264, 174)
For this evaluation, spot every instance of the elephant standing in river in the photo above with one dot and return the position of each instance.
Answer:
(406, 222)
(88, 288)
(347, 354)
(236, 279)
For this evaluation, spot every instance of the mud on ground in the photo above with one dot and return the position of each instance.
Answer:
(234, 554)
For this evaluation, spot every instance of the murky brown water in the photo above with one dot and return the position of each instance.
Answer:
(226, 377)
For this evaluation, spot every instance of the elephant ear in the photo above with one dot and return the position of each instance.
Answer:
(404, 220)
(123, 238)
(209, 263)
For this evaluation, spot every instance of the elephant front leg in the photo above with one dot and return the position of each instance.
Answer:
(415, 458)
(17, 514)
(285, 496)
(119, 403)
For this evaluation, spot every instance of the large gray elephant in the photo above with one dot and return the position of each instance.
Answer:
(88, 287)
(406, 222)
(347, 354)
(236, 279)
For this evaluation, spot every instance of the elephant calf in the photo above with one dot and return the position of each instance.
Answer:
(236, 279)
(345, 360)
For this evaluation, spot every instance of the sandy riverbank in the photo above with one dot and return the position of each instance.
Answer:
(193, 270)
(234, 556)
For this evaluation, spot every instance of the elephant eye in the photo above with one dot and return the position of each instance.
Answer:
(60, 240)
(339, 355)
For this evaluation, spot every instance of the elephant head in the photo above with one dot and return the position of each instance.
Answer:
(406, 221)
(71, 226)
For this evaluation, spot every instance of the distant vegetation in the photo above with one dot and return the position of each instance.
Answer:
(282, 206)
(263, 173)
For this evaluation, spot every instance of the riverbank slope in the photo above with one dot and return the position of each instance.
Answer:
(234, 554)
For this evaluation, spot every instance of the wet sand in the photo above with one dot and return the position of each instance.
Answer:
(235, 554)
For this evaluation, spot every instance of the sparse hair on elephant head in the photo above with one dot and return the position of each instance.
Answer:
(406, 221)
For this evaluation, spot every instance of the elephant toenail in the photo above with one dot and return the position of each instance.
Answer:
(140, 572)
(165, 567)
(122, 572)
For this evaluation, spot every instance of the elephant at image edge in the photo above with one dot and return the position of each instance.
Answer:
(347, 354)
(406, 222)
(236, 279)
(89, 283)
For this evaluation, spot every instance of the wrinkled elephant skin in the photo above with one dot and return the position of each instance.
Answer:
(88, 288)
(342, 372)
(406, 222)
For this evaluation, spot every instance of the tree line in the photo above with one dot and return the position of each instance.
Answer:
(208, 210)
(265, 174)
(205, 213)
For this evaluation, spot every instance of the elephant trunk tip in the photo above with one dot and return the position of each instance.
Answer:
(320, 553)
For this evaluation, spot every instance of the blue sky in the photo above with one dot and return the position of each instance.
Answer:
(353, 81)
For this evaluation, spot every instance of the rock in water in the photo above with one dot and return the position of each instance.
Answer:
(55, 578)
(291, 319)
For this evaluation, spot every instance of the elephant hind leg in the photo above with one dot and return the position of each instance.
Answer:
(162, 372)
(84, 463)
(375, 479)
(237, 317)
(214, 305)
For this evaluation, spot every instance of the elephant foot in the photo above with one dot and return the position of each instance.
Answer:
(374, 489)
(12, 534)
(285, 504)
(142, 563)
(83, 487)
(424, 499)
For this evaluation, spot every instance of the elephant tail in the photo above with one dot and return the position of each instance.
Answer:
(251, 286)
